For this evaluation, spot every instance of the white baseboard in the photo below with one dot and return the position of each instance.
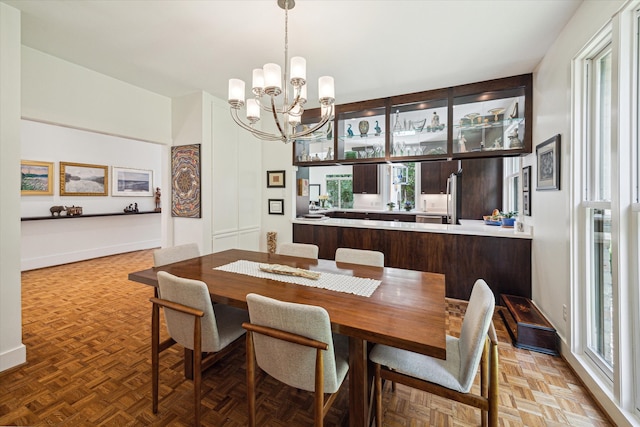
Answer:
(12, 358)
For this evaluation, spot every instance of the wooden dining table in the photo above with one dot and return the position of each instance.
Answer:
(407, 310)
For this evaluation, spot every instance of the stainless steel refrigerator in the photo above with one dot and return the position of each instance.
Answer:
(454, 197)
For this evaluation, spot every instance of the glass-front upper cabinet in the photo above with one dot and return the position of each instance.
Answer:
(419, 125)
(362, 132)
(492, 120)
(319, 146)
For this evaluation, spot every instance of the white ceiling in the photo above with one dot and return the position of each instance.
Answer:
(373, 48)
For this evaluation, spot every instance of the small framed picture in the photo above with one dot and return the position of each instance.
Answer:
(275, 179)
(526, 178)
(526, 203)
(78, 179)
(303, 187)
(36, 178)
(548, 157)
(276, 206)
(131, 182)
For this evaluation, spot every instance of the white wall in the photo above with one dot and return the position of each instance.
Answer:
(74, 239)
(12, 351)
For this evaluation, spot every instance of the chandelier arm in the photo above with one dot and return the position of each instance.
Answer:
(285, 137)
(257, 133)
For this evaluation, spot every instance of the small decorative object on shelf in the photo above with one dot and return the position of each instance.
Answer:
(363, 126)
(514, 141)
(391, 205)
(435, 120)
(323, 200)
(407, 206)
(56, 210)
(75, 210)
(398, 127)
(418, 125)
(132, 208)
(329, 155)
(158, 208)
(496, 112)
(349, 131)
(377, 129)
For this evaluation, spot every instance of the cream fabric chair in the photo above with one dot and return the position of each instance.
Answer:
(303, 250)
(451, 378)
(173, 254)
(360, 256)
(293, 343)
(193, 323)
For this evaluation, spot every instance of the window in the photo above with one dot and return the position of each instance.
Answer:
(511, 190)
(340, 190)
(596, 210)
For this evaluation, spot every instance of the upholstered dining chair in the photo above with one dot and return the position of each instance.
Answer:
(303, 250)
(451, 378)
(360, 256)
(193, 322)
(293, 343)
(173, 254)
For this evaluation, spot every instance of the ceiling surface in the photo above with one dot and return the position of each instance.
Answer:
(373, 49)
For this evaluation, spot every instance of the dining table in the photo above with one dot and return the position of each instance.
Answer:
(406, 310)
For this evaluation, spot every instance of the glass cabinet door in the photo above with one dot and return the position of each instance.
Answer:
(317, 147)
(419, 129)
(491, 121)
(361, 134)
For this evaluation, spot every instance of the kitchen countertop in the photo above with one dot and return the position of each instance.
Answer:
(467, 226)
(383, 211)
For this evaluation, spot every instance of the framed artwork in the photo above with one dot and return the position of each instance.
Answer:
(185, 181)
(526, 178)
(131, 182)
(526, 203)
(276, 206)
(303, 187)
(314, 192)
(36, 178)
(79, 179)
(548, 156)
(275, 179)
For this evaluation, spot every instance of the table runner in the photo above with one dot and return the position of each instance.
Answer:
(335, 282)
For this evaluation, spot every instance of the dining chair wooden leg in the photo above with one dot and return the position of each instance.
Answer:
(155, 349)
(493, 384)
(251, 380)
(319, 392)
(197, 368)
(484, 380)
(378, 393)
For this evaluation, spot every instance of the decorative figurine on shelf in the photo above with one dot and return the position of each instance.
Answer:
(349, 131)
(132, 208)
(435, 121)
(329, 155)
(56, 210)
(74, 210)
(377, 129)
(397, 127)
(330, 133)
(158, 208)
(462, 143)
(363, 126)
(514, 141)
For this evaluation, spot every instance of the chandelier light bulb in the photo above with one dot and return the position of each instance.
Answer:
(326, 91)
(236, 93)
(272, 79)
(258, 82)
(253, 110)
(298, 71)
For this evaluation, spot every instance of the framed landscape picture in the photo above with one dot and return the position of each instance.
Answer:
(80, 179)
(131, 182)
(36, 178)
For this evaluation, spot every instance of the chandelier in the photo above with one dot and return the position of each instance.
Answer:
(267, 86)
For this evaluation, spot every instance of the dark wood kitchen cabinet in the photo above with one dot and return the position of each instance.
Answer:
(481, 187)
(434, 175)
(365, 179)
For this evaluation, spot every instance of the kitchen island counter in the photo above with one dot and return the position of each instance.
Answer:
(463, 253)
(467, 227)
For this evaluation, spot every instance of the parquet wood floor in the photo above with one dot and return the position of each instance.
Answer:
(87, 332)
